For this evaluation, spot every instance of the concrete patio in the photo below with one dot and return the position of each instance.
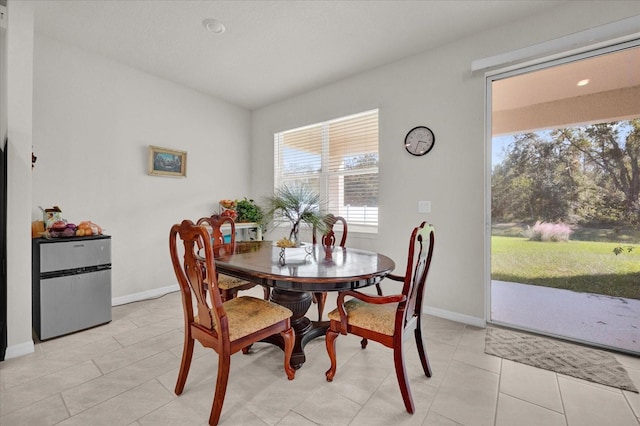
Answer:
(608, 322)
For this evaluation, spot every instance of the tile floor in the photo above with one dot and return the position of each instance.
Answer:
(123, 373)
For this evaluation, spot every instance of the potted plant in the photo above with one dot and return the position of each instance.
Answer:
(249, 211)
(297, 203)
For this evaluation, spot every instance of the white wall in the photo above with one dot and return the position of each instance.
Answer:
(93, 122)
(435, 89)
(19, 131)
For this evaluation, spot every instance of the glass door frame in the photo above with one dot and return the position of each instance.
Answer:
(506, 72)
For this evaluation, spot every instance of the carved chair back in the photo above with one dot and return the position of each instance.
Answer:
(328, 239)
(197, 277)
(215, 222)
(418, 264)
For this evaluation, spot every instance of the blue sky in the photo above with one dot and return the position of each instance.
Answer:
(498, 145)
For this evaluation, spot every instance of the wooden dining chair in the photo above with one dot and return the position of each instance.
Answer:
(229, 286)
(226, 327)
(328, 240)
(390, 319)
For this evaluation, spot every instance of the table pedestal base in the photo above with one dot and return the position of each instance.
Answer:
(306, 330)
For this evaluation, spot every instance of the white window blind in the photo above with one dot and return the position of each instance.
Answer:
(337, 158)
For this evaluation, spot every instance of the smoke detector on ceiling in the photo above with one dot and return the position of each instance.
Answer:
(214, 25)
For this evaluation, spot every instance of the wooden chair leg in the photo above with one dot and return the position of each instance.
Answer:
(401, 374)
(421, 352)
(330, 340)
(320, 298)
(267, 292)
(364, 341)
(378, 289)
(224, 365)
(289, 338)
(185, 364)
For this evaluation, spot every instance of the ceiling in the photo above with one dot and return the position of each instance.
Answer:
(606, 72)
(596, 89)
(271, 50)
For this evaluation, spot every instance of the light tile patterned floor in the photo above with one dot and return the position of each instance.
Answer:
(123, 373)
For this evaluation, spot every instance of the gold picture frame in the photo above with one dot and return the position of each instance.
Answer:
(167, 162)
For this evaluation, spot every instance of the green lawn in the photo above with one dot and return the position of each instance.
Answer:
(584, 266)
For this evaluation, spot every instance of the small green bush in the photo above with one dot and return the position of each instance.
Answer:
(619, 249)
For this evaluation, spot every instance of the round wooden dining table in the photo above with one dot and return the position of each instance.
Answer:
(294, 274)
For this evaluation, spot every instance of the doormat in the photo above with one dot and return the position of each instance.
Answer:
(557, 356)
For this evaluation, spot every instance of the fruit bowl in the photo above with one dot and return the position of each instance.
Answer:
(230, 213)
(228, 204)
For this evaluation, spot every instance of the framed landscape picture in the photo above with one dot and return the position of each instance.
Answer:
(167, 162)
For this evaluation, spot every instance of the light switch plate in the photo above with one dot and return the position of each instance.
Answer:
(424, 206)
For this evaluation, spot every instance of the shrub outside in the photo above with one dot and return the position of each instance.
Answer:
(543, 231)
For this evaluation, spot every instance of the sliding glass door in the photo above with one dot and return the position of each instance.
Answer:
(565, 198)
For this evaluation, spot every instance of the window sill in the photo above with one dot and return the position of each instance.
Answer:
(362, 230)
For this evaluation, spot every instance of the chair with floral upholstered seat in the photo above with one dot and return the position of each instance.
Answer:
(229, 286)
(226, 327)
(390, 319)
(329, 240)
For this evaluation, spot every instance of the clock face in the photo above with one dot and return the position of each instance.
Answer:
(419, 140)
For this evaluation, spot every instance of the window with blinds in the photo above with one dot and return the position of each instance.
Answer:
(337, 158)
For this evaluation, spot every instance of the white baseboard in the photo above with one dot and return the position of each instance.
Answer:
(20, 349)
(26, 348)
(144, 295)
(455, 316)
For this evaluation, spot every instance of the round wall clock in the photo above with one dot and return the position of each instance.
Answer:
(419, 140)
